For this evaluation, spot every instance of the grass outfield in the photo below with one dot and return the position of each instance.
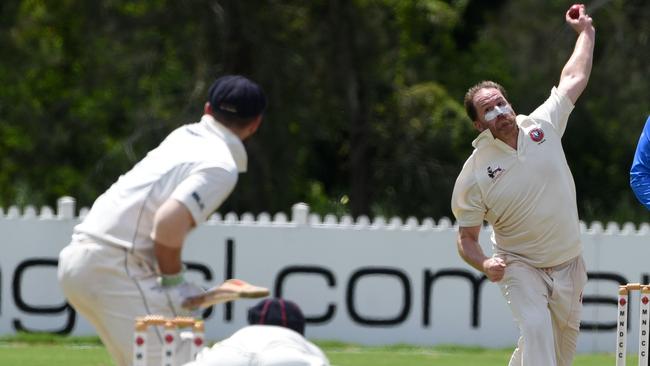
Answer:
(49, 350)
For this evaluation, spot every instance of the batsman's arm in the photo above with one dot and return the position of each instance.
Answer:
(470, 250)
(576, 72)
(172, 223)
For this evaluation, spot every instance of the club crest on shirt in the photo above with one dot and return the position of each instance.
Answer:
(494, 173)
(536, 134)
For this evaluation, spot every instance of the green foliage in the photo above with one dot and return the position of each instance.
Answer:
(428, 147)
(365, 96)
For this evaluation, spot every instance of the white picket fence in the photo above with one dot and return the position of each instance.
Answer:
(365, 280)
(300, 215)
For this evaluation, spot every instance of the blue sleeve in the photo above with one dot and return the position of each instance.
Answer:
(640, 171)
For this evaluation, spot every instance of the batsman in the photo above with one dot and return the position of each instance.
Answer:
(518, 180)
(124, 260)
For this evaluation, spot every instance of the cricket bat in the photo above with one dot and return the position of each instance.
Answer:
(230, 290)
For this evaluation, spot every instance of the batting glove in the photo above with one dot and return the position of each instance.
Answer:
(177, 290)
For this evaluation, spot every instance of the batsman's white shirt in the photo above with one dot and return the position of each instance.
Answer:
(263, 345)
(528, 194)
(197, 164)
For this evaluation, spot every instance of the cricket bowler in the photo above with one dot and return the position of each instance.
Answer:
(518, 180)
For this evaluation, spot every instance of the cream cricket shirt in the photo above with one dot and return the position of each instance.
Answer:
(197, 164)
(527, 195)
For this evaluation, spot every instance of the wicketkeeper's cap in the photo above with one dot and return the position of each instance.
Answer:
(279, 312)
(237, 96)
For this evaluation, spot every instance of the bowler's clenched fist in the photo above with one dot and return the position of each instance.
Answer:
(494, 268)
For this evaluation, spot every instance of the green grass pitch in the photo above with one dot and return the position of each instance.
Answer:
(36, 350)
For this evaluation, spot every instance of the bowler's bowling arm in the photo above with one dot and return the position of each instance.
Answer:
(576, 72)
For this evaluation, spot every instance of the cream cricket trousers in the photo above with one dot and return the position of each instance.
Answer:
(546, 304)
(110, 287)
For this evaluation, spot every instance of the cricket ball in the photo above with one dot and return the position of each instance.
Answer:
(574, 11)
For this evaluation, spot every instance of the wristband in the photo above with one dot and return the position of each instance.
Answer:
(171, 280)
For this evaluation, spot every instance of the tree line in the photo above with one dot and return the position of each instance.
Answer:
(365, 96)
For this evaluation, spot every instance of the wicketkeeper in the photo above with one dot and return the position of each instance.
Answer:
(275, 337)
(124, 260)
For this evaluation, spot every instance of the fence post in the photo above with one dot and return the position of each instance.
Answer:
(299, 214)
(65, 207)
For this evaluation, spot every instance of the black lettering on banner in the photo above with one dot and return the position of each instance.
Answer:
(602, 300)
(207, 276)
(33, 309)
(476, 281)
(230, 273)
(379, 271)
(312, 270)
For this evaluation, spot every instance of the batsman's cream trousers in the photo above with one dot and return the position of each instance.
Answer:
(110, 288)
(546, 304)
